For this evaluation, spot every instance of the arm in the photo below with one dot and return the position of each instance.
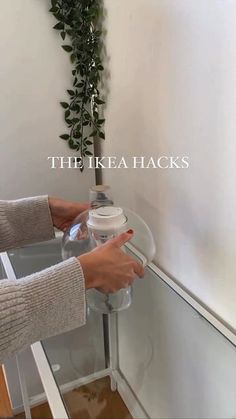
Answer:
(25, 221)
(48, 302)
(53, 301)
(41, 305)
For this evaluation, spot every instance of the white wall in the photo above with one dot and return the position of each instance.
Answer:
(35, 73)
(173, 92)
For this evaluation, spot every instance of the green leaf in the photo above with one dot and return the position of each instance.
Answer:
(93, 134)
(63, 35)
(67, 113)
(101, 121)
(87, 142)
(64, 105)
(53, 10)
(72, 58)
(59, 26)
(99, 101)
(67, 48)
(100, 68)
(65, 136)
(102, 135)
(75, 108)
(71, 92)
(72, 145)
(88, 153)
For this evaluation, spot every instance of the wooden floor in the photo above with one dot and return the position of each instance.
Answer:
(5, 406)
(93, 401)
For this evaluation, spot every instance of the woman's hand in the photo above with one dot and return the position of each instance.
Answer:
(108, 268)
(64, 212)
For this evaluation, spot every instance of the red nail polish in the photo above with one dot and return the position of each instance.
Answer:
(130, 231)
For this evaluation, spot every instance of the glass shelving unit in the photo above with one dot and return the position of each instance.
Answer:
(165, 357)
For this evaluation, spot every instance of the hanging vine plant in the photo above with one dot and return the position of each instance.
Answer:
(79, 27)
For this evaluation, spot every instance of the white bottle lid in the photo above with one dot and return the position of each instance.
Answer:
(106, 218)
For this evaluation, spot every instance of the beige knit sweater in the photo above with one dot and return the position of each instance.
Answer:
(43, 304)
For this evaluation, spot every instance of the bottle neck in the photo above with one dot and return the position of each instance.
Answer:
(101, 203)
(100, 195)
(102, 237)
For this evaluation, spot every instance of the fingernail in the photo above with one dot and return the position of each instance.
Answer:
(130, 231)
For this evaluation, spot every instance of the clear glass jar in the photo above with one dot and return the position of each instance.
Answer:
(93, 228)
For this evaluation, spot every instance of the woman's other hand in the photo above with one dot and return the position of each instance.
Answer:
(64, 212)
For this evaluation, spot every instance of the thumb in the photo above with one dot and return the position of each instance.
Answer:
(122, 238)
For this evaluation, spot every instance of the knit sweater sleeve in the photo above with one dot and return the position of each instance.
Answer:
(25, 221)
(41, 305)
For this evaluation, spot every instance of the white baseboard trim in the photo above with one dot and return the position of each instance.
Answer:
(128, 397)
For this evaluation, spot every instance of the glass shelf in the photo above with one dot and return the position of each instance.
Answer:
(160, 358)
(3, 274)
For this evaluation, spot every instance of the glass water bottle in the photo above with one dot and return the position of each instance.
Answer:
(93, 228)
(105, 223)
